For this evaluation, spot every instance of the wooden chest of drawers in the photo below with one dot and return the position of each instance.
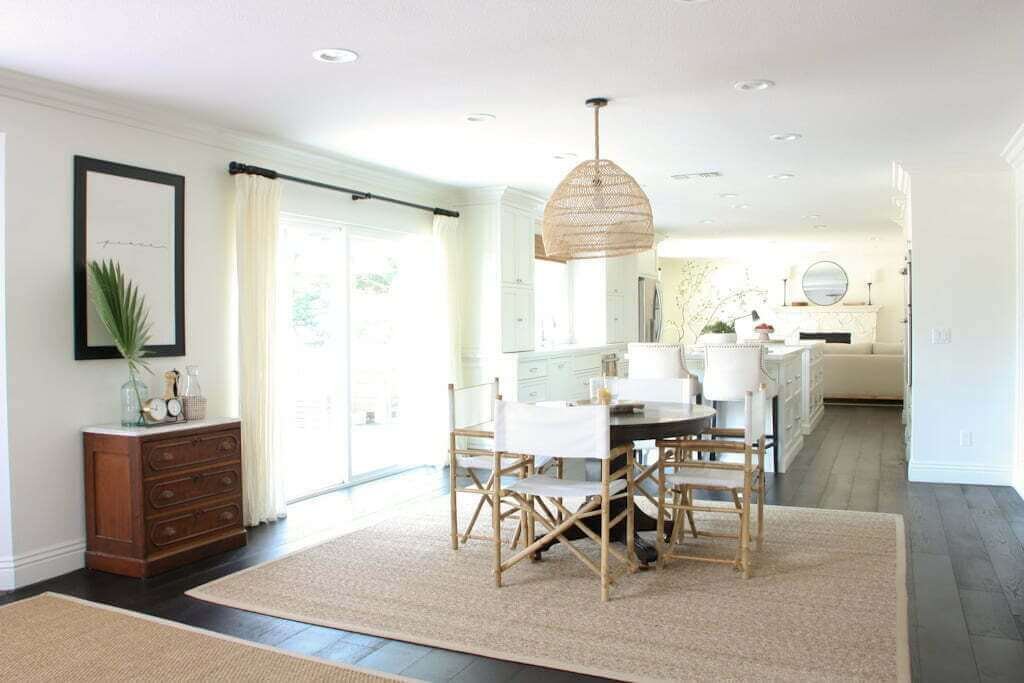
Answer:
(160, 497)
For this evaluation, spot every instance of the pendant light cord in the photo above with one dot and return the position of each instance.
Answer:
(597, 134)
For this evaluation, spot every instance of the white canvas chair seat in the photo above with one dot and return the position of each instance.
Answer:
(698, 478)
(550, 487)
(486, 462)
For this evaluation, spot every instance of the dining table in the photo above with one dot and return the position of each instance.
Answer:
(652, 421)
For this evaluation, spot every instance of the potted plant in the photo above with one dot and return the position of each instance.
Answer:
(123, 311)
(718, 332)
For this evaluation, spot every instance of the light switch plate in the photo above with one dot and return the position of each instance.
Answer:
(941, 335)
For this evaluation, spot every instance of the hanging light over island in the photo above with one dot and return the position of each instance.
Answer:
(598, 210)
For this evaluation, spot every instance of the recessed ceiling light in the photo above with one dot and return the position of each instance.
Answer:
(708, 221)
(479, 117)
(785, 137)
(728, 195)
(874, 238)
(812, 217)
(701, 175)
(564, 155)
(335, 55)
(753, 85)
(741, 206)
(820, 226)
(690, 2)
(782, 176)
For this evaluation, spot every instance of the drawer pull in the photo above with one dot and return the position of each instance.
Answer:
(227, 516)
(227, 481)
(226, 445)
(170, 531)
(534, 369)
(168, 456)
(167, 494)
(196, 441)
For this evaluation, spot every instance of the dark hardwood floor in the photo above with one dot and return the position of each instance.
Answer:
(965, 572)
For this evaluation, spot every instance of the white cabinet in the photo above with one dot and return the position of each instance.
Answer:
(558, 375)
(616, 319)
(516, 247)
(814, 381)
(516, 319)
(647, 263)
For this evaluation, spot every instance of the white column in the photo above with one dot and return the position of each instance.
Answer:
(1014, 155)
(6, 527)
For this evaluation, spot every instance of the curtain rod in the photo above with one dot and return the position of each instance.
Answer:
(235, 167)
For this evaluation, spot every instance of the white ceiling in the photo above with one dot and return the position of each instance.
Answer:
(865, 81)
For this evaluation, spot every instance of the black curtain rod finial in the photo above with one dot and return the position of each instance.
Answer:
(234, 168)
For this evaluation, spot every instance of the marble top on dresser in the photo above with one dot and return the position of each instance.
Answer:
(118, 430)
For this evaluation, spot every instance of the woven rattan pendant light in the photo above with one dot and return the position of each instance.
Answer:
(598, 210)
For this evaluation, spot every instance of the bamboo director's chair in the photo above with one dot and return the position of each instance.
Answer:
(527, 432)
(470, 449)
(679, 475)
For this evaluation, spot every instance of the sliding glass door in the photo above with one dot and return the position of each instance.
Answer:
(341, 342)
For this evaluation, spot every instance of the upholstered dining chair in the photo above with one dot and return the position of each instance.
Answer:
(582, 432)
(680, 475)
(730, 372)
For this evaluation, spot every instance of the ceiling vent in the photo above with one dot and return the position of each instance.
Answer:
(703, 175)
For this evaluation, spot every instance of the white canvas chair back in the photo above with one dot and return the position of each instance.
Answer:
(669, 390)
(656, 361)
(472, 405)
(732, 370)
(755, 412)
(578, 432)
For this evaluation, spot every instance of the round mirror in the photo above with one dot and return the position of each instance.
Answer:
(825, 283)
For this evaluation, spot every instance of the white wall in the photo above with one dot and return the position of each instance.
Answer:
(964, 280)
(6, 533)
(859, 262)
(43, 133)
(1014, 155)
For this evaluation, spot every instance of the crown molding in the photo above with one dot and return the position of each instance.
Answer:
(1014, 150)
(494, 194)
(253, 148)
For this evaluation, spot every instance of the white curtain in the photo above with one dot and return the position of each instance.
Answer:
(431, 352)
(257, 231)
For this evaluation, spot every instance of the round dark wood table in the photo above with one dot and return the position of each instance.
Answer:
(657, 421)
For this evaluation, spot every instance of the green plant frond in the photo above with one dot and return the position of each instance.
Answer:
(122, 310)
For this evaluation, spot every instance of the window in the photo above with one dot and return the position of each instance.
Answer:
(552, 296)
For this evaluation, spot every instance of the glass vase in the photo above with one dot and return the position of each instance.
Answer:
(133, 393)
(190, 385)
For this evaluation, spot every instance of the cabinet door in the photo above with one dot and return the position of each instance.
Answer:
(508, 320)
(613, 275)
(524, 249)
(616, 319)
(507, 246)
(560, 379)
(524, 319)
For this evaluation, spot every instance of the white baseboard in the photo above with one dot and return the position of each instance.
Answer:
(39, 565)
(946, 473)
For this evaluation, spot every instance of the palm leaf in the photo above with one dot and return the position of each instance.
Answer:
(122, 310)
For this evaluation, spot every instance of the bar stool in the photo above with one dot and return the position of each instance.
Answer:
(660, 361)
(731, 371)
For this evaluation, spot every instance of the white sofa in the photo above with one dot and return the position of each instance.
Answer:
(864, 370)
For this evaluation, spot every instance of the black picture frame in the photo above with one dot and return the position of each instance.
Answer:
(82, 167)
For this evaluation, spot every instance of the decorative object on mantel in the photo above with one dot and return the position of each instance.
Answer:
(798, 303)
(136, 217)
(718, 332)
(598, 210)
(825, 283)
(763, 331)
(192, 397)
(123, 312)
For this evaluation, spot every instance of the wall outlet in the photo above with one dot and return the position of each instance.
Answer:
(941, 335)
(966, 438)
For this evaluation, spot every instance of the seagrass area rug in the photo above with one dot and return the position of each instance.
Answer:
(827, 600)
(54, 637)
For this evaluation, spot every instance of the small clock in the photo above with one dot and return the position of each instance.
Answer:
(154, 410)
(174, 408)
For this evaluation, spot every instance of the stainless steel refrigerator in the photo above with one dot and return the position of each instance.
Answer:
(650, 300)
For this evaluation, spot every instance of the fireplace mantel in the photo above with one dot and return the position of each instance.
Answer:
(860, 321)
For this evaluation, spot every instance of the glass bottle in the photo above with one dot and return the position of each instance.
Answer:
(190, 385)
(133, 393)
